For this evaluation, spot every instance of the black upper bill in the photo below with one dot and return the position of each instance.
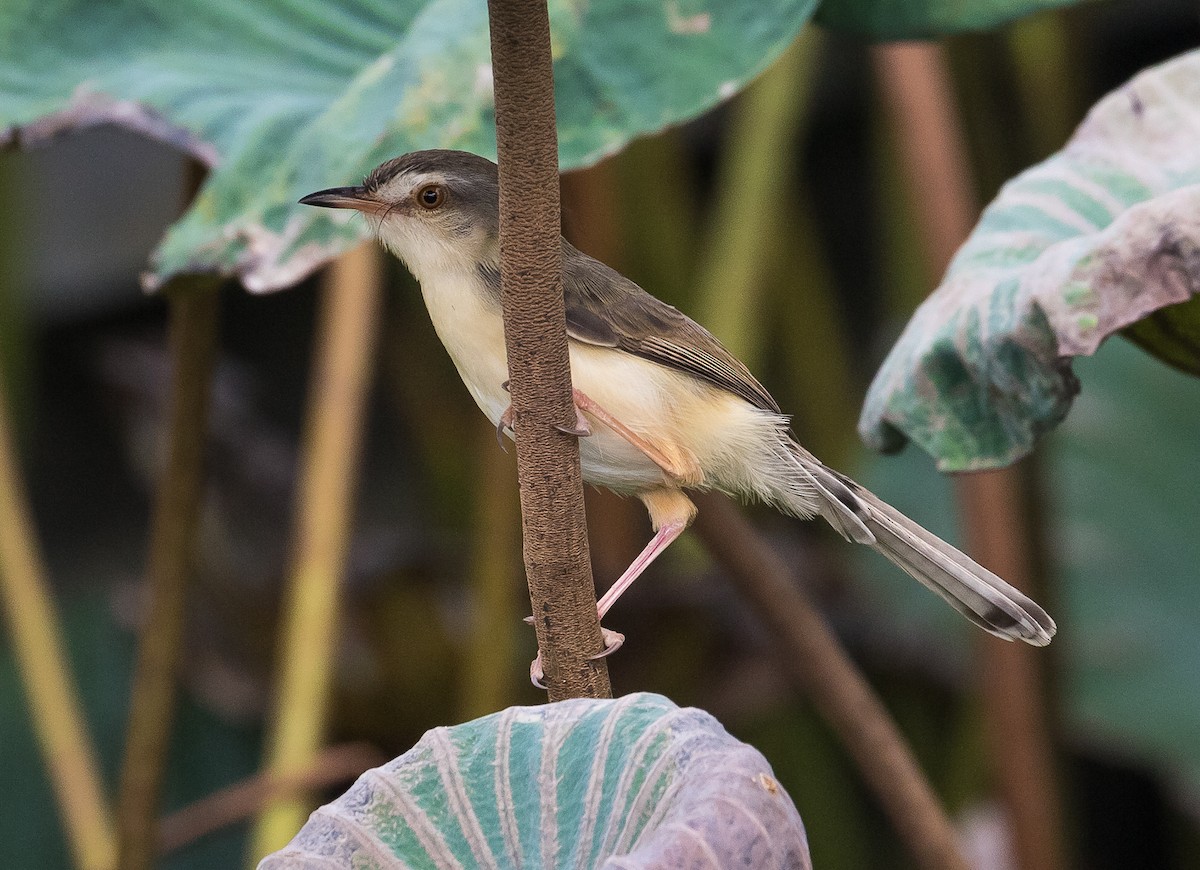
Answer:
(339, 197)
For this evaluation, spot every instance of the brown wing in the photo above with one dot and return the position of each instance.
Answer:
(605, 308)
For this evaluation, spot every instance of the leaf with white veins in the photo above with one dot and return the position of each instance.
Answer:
(1093, 241)
(284, 97)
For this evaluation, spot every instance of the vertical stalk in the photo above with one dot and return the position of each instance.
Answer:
(919, 101)
(901, 247)
(193, 306)
(554, 529)
(45, 673)
(662, 240)
(1016, 719)
(1047, 74)
(340, 383)
(487, 682)
(816, 357)
(755, 173)
(918, 94)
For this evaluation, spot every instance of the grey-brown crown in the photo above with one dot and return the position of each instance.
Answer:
(461, 165)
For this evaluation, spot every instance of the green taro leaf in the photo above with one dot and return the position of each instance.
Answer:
(634, 783)
(284, 97)
(1091, 242)
(913, 19)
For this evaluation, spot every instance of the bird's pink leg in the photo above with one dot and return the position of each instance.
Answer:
(661, 540)
(677, 467)
(670, 512)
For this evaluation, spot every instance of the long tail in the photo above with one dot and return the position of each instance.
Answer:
(967, 586)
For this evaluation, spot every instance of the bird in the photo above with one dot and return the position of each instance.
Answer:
(662, 406)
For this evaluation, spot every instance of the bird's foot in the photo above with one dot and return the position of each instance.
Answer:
(536, 674)
(505, 422)
(613, 641)
(581, 429)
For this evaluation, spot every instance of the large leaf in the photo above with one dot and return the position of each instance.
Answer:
(283, 97)
(913, 19)
(632, 783)
(1095, 239)
(1121, 503)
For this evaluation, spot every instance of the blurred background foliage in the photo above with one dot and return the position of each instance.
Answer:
(431, 633)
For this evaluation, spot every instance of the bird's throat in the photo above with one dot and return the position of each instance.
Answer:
(466, 317)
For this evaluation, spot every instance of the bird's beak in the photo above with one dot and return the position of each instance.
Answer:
(357, 198)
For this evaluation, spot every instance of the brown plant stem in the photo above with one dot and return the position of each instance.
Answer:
(557, 565)
(340, 383)
(1016, 718)
(920, 101)
(194, 314)
(40, 652)
(815, 659)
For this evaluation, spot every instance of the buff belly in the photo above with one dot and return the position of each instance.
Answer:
(732, 442)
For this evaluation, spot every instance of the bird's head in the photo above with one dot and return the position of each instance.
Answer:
(438, 211)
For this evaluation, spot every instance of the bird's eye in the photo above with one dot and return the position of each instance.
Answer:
(431, 195)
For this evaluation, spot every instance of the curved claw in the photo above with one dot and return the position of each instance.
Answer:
(613, 641)
(581, 429)
(505, 422)
(536, 674)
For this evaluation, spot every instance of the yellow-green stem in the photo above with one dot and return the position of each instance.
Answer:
(1047, 80)
(757, 166)
(41, 656)
(816, 354)
(658, 243)
(496, 593)
(333, 435)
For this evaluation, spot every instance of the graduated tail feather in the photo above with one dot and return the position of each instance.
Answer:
(971, 589)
